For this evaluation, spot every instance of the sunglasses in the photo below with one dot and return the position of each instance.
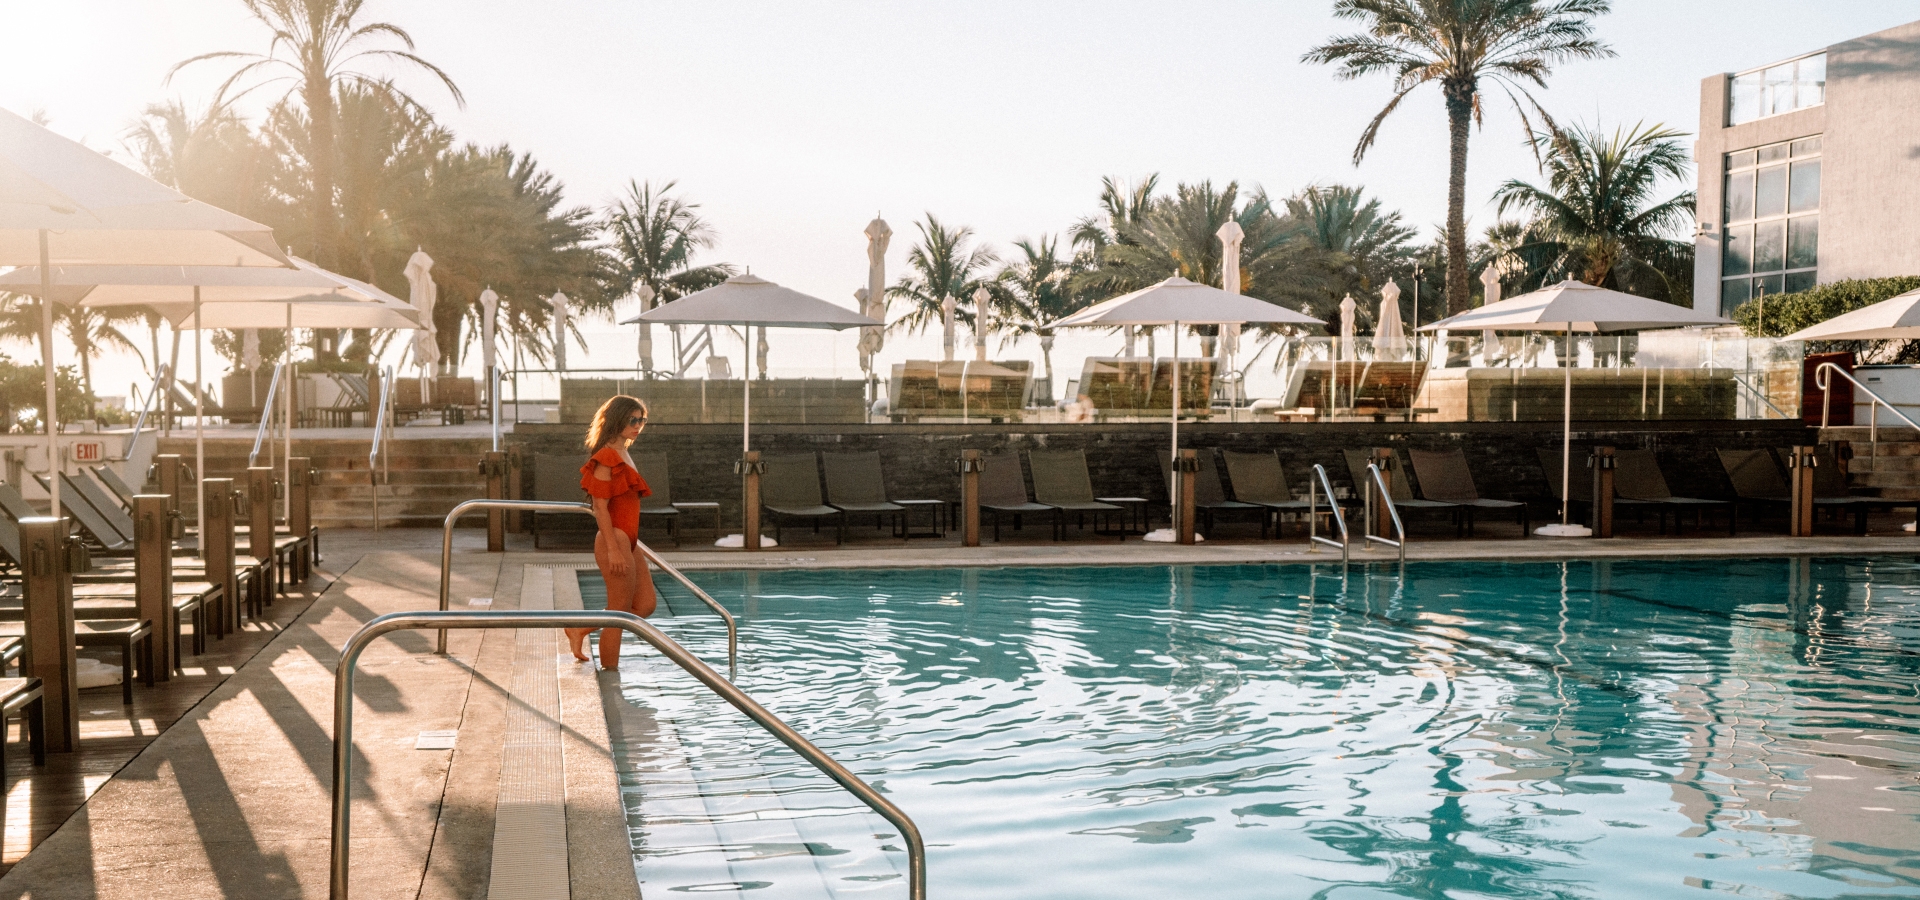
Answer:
(636, 420)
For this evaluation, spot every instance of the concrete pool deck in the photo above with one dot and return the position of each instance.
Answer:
(231, 800)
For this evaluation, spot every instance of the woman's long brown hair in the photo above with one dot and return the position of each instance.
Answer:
(611, 420)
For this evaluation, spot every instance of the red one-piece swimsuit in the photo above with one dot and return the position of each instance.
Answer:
(622, 491)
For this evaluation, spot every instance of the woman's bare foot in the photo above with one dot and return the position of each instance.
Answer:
(576, 640)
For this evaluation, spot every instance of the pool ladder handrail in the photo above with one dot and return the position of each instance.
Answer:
(1399, 539)
(1823, 379)
(563, 506)
(343, 718)
(1314, 540)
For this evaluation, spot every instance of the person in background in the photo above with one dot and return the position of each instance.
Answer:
(613, 481)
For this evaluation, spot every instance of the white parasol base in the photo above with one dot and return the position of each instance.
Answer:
(1565, 531)
(1169, 536)
(737, 541)
(1907, 527)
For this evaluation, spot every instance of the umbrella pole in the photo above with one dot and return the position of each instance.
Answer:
(199, 433)
(1566, 434)
(1174, 458)
(286, 478)
(52, 418)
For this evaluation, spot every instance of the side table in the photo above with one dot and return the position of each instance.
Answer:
(1136, 514)
(938, 514)
(713, 505)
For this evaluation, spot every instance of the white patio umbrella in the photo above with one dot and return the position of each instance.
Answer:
(1179, 303)
(749, 301)
(946, 327)
(873, 303)
(562, 308)
(1890, 319)
(489, 313)
(1389, 334)
(63, 204)
(981, 298)
(423, 293)
(1568, 307)
(645, 294)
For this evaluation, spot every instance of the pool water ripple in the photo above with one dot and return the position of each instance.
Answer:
(1588, 729)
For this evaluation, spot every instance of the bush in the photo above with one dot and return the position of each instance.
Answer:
(1788, 313)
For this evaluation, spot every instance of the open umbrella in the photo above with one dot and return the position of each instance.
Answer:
(1179, 303)
(63, 204)
(1568, 307)
(749, 301)
(1890, 319)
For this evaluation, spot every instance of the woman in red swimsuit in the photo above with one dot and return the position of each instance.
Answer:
(616, 486)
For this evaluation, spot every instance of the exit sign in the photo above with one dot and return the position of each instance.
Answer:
(89, 451)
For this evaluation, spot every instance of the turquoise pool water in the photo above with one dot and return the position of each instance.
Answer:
(1589, 729)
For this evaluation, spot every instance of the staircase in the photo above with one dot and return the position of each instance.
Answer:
(430, 475)
(1888, 468)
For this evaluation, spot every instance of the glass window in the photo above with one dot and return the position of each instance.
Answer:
(1741, 160)
(1773, 153)
(1803, 242)
(1744, 104)
(1769, 246)
(1770, 192)
(1807, 147)
(1805, 194)
(1739, 197)
(1733, 292)
(1769, 286)
(1779, 87)
(1810, 81)
(1738, 258)
(1799, 281)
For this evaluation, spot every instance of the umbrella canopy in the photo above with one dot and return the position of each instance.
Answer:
(1389, 335)
(489, 311)
(1576, 306)
(1231, 236)
(873, 299)
(1893, 318)
(1347, 309)
(422, 293)
(1177, 301)
(314, 311)
(154, 286)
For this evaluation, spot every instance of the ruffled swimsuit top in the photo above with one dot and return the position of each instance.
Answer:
(622, 491)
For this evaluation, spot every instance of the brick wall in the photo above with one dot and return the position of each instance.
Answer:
(919, 459)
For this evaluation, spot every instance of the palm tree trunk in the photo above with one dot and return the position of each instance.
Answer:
(1459, 96)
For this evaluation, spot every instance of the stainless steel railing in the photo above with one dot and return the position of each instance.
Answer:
(140, 423)
(1316, 484)
(343, 719)
(1823, 379)
(266, 416)
(383, 414)
(1399, 539)
(563, 506)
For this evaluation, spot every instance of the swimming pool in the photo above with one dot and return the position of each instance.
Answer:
(1587, 729)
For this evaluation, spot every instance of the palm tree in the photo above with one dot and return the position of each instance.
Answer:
(1178, 235)
(1457, 43)
(1362, 245)
(89, 329)
(652, 237)
(317, 45)
(941, 266)
(1599, 218)
(1035, 291)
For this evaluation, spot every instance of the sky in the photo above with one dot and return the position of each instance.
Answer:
(792, 124)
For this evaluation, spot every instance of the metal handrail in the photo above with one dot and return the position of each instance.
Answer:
(1757, 395)
(266, 416)
(1399, 538)
(379, 432)
(140, 424)
(1317, 482)
(1824, 381)
(446, 563)
(343, 719)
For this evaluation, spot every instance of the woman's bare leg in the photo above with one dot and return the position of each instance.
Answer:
(620, 598)
(619, 588)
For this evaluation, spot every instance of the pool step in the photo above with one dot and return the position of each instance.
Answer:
(1888, 468)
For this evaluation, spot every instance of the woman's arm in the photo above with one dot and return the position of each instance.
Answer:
(603, 519)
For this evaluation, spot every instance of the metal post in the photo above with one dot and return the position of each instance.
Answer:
(216, 550)
(260, 492)
(970, 463)
(1185, 467)
(494, 466)
(1602, 462)
(750, 469)
(1377, 523)
(49, 619)
(1800, 463)
(153, 576)
(168, 467)
(300, 484)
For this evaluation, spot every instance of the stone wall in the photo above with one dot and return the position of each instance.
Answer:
(919, 459)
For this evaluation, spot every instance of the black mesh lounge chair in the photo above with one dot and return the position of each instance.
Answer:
(1003, 490)
(1636, 476)
(658, 503)
(1403, 498)
(23, 697)
(1209, 497)
(1581, 478)
(1444, 476)
(1260, 479)
(856, 485)
(1759, 484)
(1060, 480)
(119, 486)
(1829, 481)
(557, 477)
(790, 489)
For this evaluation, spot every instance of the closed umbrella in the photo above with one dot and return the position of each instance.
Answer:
(1389, 335)
(981, 297)
(645, 294)
(749, 301)
(873, 302)
(423, 293)
(946, 327)
(489, 312)
(1568, 307)
(1231, 236)
(1490, 283)
(1180, 303)
(561, 309)
(63, 204)
(1347, 308)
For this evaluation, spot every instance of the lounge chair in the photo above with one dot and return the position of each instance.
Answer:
(856, 485)
(1209, 497)
(1829, 481)
(556, 477)
(1444, 476)
(119, 486)
(1003, 490)
(790, 489)
(1258, 478)
(23, 697)
(1061, 481)
(658, 503)
(1403, 496)
(1581, 478)
(1637, 476)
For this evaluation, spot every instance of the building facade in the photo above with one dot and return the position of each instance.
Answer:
(1809, 171)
